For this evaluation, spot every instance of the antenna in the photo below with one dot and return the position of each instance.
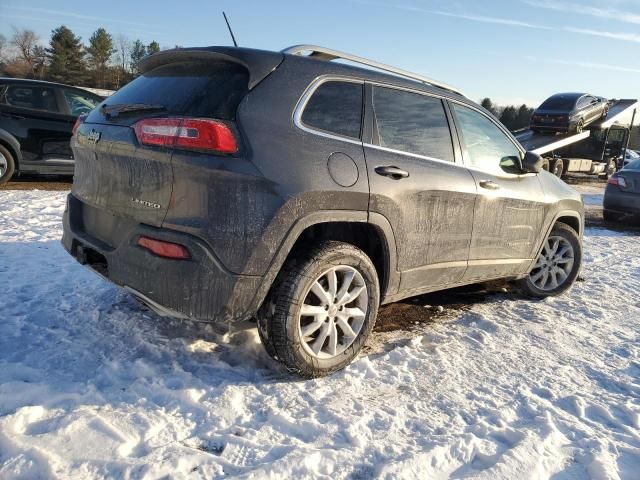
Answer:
(235, 44)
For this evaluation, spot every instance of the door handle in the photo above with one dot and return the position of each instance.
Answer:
(391, 171)
(489, 185)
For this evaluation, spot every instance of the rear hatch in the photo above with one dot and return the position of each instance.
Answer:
(123, 149)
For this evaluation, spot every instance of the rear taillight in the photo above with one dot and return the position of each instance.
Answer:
(187, 133)
(617, 181)
(79, 121)
(164, 249)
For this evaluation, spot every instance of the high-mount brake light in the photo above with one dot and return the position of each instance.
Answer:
(618, 181)
(186, 133)
(79, 121)
(164, 249)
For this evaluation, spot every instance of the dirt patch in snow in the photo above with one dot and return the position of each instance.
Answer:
(28, 182)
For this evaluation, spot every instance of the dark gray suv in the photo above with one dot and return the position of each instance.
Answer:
(228, 184)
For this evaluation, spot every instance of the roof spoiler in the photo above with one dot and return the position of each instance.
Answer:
(259, 63)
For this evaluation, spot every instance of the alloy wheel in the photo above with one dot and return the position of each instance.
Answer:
(3, 165)
(333, 312)
(554, 265)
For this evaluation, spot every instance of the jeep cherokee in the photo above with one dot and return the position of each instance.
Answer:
(228, 184)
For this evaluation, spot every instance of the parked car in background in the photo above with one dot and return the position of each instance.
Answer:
(228, 184)
(568, 112)
(630, 156)
(622, 195)
(36, 123)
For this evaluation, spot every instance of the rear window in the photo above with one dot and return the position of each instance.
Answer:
(195, 89)
(31, 97)
(559, 103)
(335, 107)
(412, 123)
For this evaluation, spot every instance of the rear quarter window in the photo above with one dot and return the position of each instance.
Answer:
(195, 89)
(335, 107)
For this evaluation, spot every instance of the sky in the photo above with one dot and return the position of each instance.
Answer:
(513, 51)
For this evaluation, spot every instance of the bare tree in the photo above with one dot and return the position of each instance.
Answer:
(3, 45)
(26, 43)
(124, 46)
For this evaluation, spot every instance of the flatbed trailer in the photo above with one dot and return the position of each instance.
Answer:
(598, 150)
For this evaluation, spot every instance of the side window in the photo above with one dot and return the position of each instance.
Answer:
(335, 107)
(79, 103)
(486, 146)
(412, 123)
(32, 97)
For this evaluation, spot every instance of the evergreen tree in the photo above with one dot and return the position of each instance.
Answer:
(66, 57)
(508, 117)
(153, 47)
(487, 104)
(523, 116)
(100, 50)
(137, 53)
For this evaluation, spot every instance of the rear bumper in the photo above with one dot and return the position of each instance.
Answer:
(556, 127)
(199, 288)
(617, 201)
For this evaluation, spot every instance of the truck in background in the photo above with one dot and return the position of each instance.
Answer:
(598, 150)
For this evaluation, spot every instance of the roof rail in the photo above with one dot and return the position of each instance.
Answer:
(323, 53)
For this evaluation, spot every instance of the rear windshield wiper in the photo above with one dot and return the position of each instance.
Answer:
(118, 109)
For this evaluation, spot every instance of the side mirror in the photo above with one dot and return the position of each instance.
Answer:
(532, 163)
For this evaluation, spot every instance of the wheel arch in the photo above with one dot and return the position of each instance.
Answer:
(571, 218)
(371, 233)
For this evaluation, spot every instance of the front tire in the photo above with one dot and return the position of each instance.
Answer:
(7, 165)
(545, 164)
(557, 266)
(326, 302)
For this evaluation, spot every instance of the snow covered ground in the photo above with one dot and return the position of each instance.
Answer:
(93, 386)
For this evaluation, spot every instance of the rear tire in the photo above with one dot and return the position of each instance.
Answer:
(326, 303)
(579, 126)
(557, 168)
(557, 266)
(264, 328)
(7, 165)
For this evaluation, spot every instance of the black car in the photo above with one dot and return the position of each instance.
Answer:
(568, 112)
(36, 122)
(622, 195)
(228, 184)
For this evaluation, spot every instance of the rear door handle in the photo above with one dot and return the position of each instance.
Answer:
(391, 171)
(489, 185)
